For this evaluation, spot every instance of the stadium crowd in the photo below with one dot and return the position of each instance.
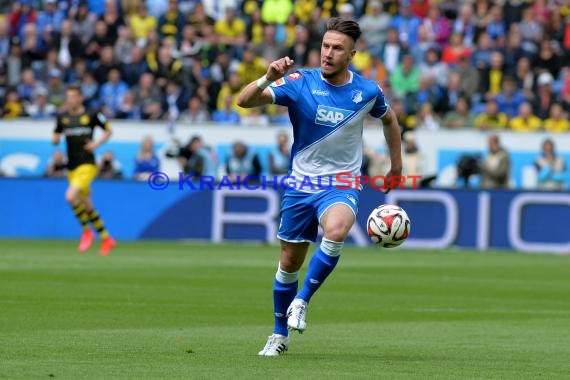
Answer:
(490, 65)
(442, 64)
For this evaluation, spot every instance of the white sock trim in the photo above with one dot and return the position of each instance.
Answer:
(330, 247)
(286, 277)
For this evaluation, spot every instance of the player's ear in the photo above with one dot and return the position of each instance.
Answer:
(351, 55)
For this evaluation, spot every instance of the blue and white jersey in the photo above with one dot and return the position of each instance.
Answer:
(327, 124)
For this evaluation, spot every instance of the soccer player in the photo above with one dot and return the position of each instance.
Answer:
(78, 125)
(327, 106)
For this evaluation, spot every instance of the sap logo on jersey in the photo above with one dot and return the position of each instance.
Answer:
(331, 116)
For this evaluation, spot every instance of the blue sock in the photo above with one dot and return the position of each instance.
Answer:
(321, 265)
(284, 290)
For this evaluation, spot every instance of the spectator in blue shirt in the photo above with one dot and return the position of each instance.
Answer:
(510, 98)
(496, 27)
(407, 25)
(27, 85)
(97, 7)
(50, 18)
(147, 162)
(242, 162)
(226, 115)
(112, 92)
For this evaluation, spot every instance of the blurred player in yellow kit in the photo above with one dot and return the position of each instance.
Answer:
(78, 126)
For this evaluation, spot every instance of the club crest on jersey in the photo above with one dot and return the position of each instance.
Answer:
(331, 116)
(356, 96)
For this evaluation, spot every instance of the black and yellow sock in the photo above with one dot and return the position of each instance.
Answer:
(81, 215)
(97, 223)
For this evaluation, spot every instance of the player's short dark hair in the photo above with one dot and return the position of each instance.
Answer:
(344, 26)
(74, 87)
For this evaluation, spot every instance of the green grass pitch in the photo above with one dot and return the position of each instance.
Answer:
(202, 311)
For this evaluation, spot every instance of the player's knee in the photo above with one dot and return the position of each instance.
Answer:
(71, 196)
(336, 233)
(290, 264)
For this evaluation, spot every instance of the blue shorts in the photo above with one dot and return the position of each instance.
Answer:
(301, 212)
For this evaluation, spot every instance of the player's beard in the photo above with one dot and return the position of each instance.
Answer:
(333, 70)
(330, 74)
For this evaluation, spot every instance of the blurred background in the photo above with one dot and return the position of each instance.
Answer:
(481, 89)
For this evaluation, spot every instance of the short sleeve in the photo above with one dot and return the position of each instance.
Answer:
(285, 91)
(380, 107)
(101, 120)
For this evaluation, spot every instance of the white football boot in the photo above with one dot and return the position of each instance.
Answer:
(276, 345)
(297, 315)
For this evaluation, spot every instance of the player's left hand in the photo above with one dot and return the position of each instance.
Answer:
(277, 69)
(90, 146)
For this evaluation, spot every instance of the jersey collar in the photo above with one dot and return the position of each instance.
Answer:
(339, 85)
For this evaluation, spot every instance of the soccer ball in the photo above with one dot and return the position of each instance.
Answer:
(388, 226)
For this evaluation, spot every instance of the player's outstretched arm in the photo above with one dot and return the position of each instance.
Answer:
(255, 93)
(394, 141)
(55, 138)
